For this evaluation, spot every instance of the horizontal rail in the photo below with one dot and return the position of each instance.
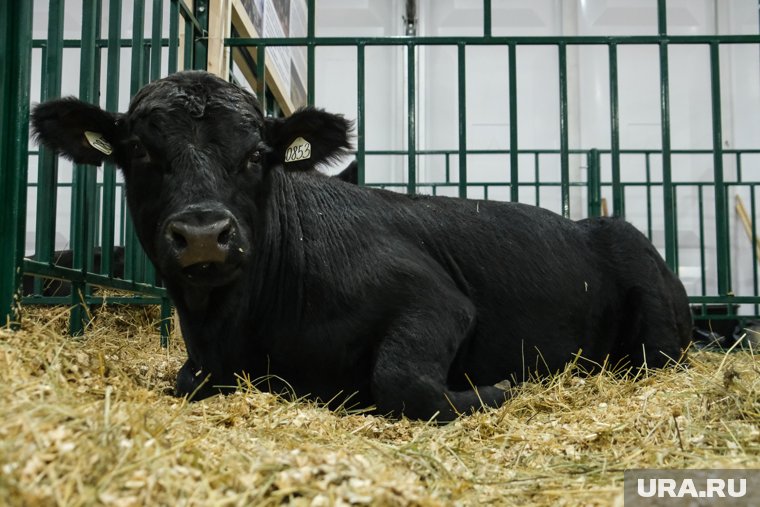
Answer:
(32, 267)
(495, 40)
(99, 43)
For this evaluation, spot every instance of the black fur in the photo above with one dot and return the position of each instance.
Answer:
(338, 291)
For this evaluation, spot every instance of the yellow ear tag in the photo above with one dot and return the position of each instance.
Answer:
(300, 149)
(97, 141)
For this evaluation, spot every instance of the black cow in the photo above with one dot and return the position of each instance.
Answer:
(350, 174)
(415, 305)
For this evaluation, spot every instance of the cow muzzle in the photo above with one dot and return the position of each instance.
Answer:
(203, 243)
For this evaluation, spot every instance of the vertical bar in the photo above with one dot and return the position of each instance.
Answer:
(81, 200)
(131, 246)
(360, 141)
(514, 177)
(310, 57)
(411, 183)
(648, 164)
(112, 104)
(667, 181)
(189, 44)
(173, 36)
(261, 79)
(721, 204)
(702, 266)
(594, 184)
(617, 198)
(200, 52)
(753, 210)
(563, 141)
(155, 42)
(47, 173)
(536, 176)
(487, 18)
(16, 38)
(138, 42)
(462, 94)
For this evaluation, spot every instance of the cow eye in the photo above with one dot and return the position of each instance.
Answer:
(255, 157)
(137, 149)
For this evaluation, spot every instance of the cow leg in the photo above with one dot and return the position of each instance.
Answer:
(193, 382)
(657, 328)
(661, 330)
(412, 362)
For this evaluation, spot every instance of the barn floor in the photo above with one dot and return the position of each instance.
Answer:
(88, 421)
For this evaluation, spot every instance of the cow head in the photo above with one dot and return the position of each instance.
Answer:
(194, 150)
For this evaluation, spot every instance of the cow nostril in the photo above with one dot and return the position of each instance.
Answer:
(178, 239)
(225, 235)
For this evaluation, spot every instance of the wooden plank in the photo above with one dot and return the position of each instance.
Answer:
(219, 23)
(244, 27)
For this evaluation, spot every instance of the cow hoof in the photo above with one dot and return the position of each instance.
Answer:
(192, 382)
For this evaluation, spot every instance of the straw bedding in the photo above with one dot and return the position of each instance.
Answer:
(88, 421)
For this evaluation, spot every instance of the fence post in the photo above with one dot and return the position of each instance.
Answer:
(15, 64)
(594, 184)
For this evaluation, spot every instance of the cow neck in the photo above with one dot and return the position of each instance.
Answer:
(278, 255)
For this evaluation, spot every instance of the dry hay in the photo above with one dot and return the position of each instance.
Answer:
(88, 421)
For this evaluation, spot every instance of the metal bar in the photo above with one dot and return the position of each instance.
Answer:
(411, 182)
(487, 18)
(667, 184)
(755, 260)
(648, 172)
(536, 176)
(99, 43)
(78, 276)
(188, 45)
(563, 134)
(617, 199)
(188, 14)
(360, 120)
(310, 56)
(594, 184)
(155, 42)
(722, 252)
(137, 80)
(514, 177)
(82, 201)
(600, 40)
(47, 173)
(462, 97)
(261, 81)
(15, 37)
(173, 37)
(112, 104)
(702, 266)
(200, 51)
(662, 18)
(92, 300)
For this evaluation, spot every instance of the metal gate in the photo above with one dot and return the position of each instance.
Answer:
(96, 197)
(95, 203)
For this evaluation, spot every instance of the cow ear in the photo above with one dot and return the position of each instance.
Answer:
(80, 131)
(307, 138)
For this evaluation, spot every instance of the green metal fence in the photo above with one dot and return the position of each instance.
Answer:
(96, 202)
(97, 198)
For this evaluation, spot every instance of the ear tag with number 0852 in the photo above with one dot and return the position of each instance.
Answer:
(300, 149)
